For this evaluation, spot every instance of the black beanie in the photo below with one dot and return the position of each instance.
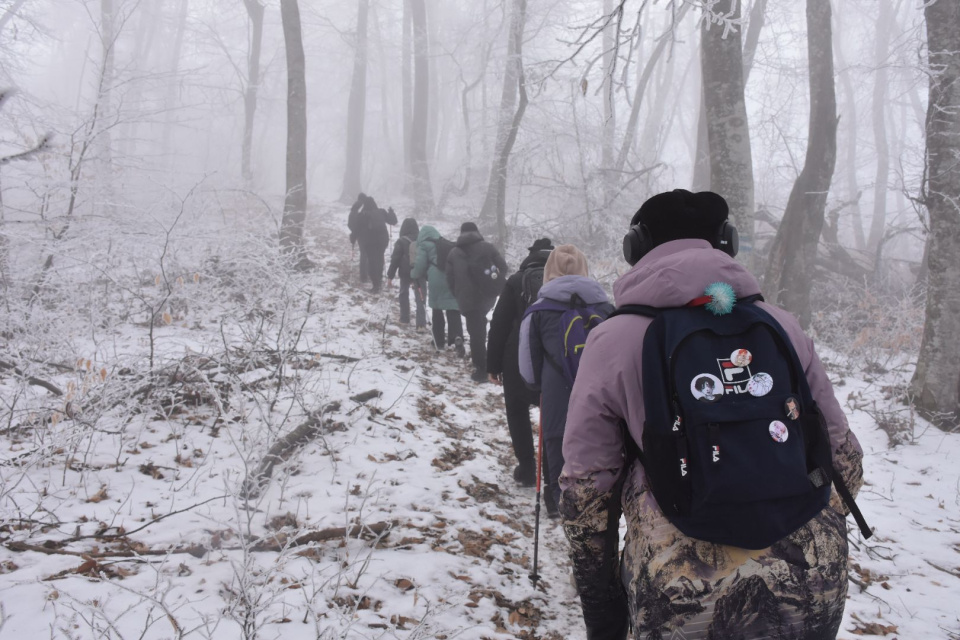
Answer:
(468, 226)
(679, 214)
(541, 244)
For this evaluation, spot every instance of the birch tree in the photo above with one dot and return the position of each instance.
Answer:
(936, 382)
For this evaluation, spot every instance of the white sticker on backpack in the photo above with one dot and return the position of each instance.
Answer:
(779, 431)
(741, 358)
(706, 387)
(760, 384)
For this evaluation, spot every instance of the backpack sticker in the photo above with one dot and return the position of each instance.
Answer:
(792, 408)
(778, 431)
(760, 385)
(741, 358)
(706, 387)
(736, 378)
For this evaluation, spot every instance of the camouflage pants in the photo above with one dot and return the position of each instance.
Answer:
(683, 588)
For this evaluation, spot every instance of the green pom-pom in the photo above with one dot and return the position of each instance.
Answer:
(723, 297)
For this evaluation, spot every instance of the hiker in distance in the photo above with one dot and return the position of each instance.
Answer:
(732, 531)
(368, 229)
(476, 273)
(552, 338)
(503, 367)
(429, 265)
(402, 261)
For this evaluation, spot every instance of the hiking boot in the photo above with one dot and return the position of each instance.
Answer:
(458, 346)
(553, 511)
(478, 376)
(524, 477)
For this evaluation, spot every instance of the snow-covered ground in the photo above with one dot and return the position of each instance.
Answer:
(129, 506)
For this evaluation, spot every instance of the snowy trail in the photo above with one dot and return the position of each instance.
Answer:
(139, 530)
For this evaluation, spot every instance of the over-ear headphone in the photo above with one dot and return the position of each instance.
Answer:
(728, 239)
(638, 242)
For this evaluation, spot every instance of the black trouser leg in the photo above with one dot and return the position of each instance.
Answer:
(518, 420)
(364, 265)
(404, 296)
(477, 328)
(439, 329)
(375, 266)
(456, 326)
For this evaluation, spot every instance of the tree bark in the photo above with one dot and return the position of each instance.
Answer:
(757, 15)
(936, 383)
(850, 163)
(793, 256)
(611, 35)
(356, 111)
(731, 162)
(406, 73)
(295, 204)
(255, 10)
(511, 114)
(881, 79)
(422, 190)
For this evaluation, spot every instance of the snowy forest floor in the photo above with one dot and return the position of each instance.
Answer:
(274, 456)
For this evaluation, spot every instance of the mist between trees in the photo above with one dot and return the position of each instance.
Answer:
(177, 163)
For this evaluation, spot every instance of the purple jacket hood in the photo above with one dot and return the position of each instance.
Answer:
(674, 273)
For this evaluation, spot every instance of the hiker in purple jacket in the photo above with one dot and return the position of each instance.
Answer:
(565, 277)
(668, 584)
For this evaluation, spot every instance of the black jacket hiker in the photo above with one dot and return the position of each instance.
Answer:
(401, 263)
(368, 229)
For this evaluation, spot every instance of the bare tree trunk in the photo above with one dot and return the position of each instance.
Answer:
(936, 382)
(295, 204)
(494, 204)
(790, 271)
(356, 110)
(173, 84)
(422, 190)
(642, 81)
(255, 10)
(701, 159)
(611, 35)
(108, 39)
(406, 73)
(881, 78)
(850, 164)
(386, 110)
(757, 14)
(731, 163)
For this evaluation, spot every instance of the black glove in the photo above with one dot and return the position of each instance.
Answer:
(608, 620)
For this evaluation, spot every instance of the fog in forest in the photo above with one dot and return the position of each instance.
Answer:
(179, 299)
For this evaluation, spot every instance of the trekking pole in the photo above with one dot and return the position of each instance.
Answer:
(534, 576)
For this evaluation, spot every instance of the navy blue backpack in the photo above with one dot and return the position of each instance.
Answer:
(734, 447)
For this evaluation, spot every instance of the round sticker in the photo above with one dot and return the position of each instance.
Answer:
(792, 408)
(741, 358)
(706, 387)
(760, 384)
(778, 431)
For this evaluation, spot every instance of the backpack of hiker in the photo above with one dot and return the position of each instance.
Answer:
(485, 274)
(734, 448)
(531, 280)
(577, 318)
(443, 246)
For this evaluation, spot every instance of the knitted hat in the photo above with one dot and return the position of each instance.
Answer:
(468, 226)
(679, 214)
(541, 244)
(565, 260)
